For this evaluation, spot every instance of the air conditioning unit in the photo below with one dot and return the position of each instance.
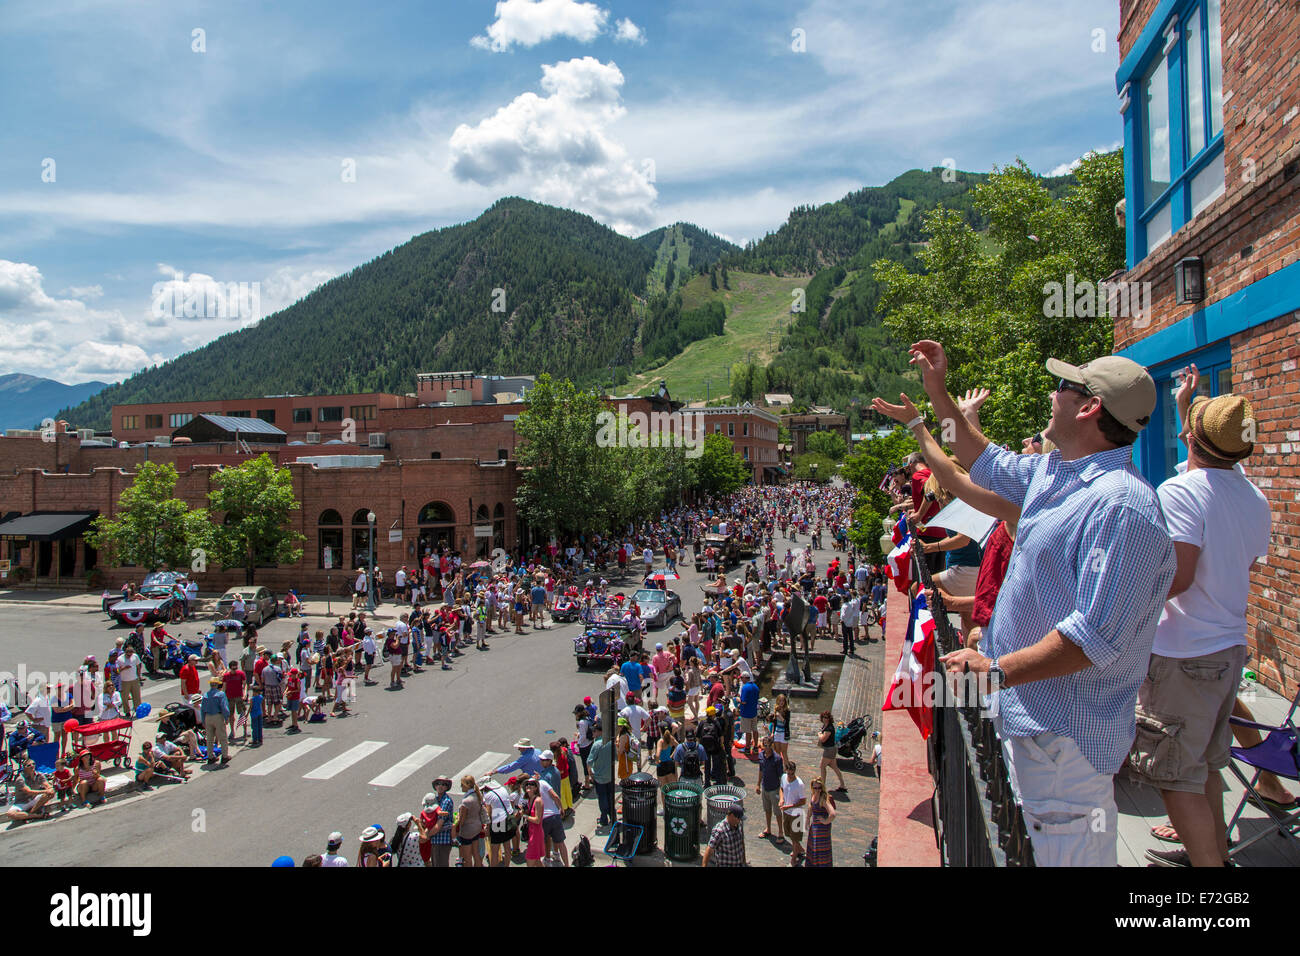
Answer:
(312, 438)
(378, 440)
(86, 434)
(162, 439)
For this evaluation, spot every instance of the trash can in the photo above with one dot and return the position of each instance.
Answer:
(720, 799)
(640, 791)
(682, 821)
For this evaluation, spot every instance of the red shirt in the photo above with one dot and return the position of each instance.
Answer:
(993, 568)
(189, 676)
(820, 603)
(233, 684)
(258, 666)
(924, 509)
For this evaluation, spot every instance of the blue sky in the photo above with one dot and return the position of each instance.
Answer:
(180, 159)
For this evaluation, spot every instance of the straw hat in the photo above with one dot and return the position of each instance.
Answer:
(1222, 426)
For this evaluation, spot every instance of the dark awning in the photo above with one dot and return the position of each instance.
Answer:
(46, 525)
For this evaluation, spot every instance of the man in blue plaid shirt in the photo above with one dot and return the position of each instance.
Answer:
(1072, 630)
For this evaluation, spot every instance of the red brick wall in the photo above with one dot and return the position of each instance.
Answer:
(1264, 371)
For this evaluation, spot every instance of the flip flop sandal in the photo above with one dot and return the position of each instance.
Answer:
(1275, 805)
(1173, 838)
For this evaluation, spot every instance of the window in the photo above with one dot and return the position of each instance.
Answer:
(177, 419)
(1160, 447)
(266, 415)
(1179, 169)
(331, 413)
(329, 532)
(302, 416)
(717, 428)
(245, 413)
(153, 421)
(435, 455)
(745, 429)
(501, 454)
(361, 413)
(731, 429)
(130, 421)
(746, 451)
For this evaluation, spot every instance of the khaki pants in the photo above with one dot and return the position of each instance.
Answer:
(131, 695)
(214, 726)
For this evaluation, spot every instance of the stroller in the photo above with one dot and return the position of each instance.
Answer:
(849, 738)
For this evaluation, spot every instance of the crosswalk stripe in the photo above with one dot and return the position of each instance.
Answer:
(154, 687)
(485, 762)
(332, 768)
(408, 765)
(271, 764)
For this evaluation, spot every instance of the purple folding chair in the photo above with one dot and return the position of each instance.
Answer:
(1277, 753)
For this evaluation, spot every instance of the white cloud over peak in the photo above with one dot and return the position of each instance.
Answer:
(556, 148)
(530, 22)
(1066, 168)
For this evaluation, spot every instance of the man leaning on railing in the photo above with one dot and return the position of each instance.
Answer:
(1071, 635)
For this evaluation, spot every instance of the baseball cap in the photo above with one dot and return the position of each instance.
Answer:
(1124, 387)
(546, 755)
(336, 839)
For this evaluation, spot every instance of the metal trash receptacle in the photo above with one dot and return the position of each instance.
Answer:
(682, 821)
(720, 799)
(640, 791)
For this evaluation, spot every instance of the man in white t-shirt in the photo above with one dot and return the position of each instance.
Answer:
(1220, 524)
(793, 798)
(331, 855)
(648, 556)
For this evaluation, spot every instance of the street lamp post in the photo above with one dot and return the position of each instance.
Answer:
(812, 469)
(370, 566)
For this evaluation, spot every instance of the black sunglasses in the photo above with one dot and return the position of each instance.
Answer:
(1037, 439)
(1064, 386)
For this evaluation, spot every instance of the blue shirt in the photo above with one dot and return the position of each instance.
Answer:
(529, 762)
(1092, 560)
(214, 702)
(770, 770)
(749, 699)
(446, 809)
(255, 706)
(601, 761)
(631, 672)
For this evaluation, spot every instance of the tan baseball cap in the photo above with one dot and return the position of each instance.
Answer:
(1124, 387)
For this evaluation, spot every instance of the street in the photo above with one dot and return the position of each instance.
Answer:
(286, 796)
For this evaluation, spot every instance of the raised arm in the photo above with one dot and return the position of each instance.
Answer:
(930, 358)
(940, 465)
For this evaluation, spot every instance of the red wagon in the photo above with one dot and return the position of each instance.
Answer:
(105, 740)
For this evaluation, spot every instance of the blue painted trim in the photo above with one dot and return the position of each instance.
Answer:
(1149, 448)
(1259, 302)
(1131, 181)
(1152, 36)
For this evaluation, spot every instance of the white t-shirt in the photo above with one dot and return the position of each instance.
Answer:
(617, 682)
(1219, 511)
(128, 667)
(550, 800)
(399, 579)
(792, 791)
(648, 556)
(636, 717)
(333, 859)
(191, 592)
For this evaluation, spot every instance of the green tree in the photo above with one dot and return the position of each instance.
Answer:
(151, 528)
(814, 467)
(864, 470)
(990, 299)
(828, 444)
(256, 499)
(719, 470)
(561, 460)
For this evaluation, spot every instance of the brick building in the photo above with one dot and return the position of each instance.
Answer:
(801, 426)
(753, 434)
(1210, 97)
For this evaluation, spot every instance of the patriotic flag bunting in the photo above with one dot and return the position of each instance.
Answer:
(912, 689)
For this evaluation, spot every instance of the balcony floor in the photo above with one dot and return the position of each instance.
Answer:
(1140, 808)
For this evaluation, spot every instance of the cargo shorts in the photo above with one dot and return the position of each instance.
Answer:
(1182, 719)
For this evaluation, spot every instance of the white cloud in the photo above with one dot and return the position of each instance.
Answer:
(1066, 168)
(555, 148)
(530, 22)
(84, 292)
(625, 31)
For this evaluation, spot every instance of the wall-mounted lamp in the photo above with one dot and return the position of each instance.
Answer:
(1189, 280)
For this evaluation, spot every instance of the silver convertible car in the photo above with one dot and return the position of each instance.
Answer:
(658, 607)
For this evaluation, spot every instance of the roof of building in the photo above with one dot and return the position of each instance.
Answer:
(245, 426)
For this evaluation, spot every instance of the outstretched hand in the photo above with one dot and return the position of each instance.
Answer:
(973, 399)
(903, 412)
(930, 358)
(1191, 377)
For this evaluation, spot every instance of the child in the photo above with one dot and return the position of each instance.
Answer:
(480, 625)
(313, 707)
(293, 698)
(63, 779)
(255, 716)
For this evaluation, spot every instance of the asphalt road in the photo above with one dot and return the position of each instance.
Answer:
(286, 796)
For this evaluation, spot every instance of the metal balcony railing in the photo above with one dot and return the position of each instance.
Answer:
(977, 819)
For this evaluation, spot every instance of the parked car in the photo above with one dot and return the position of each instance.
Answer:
(260, 605)
(658, 607)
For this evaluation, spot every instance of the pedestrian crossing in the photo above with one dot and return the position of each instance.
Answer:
(427, 756)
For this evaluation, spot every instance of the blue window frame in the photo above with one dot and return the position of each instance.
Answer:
(1173, 124)
(1159, 450)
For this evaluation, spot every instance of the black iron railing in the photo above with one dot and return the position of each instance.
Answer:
(977, 820)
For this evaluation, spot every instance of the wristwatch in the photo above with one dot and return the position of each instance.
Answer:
(997, 676)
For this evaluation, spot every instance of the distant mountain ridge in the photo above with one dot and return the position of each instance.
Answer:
(26, 400)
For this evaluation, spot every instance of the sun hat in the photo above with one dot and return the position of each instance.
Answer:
(1125, 388)
(369, 834)
(1221, 426)
(523, 743)
(196, 698)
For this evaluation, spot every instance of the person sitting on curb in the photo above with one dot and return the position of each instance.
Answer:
(31, 793)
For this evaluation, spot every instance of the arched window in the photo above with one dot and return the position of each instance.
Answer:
(437, 527)
(499, 526)
(361, 537)
(329, 534)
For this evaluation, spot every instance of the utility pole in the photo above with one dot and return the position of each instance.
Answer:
(707, 383)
